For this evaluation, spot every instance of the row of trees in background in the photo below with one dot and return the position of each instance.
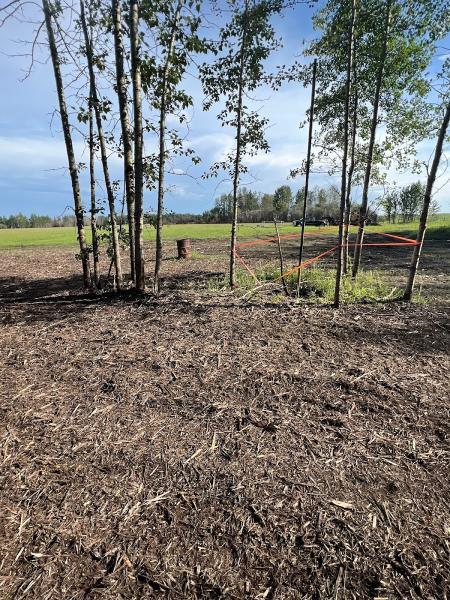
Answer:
(282, 205)
(20, 221)
(403, 205)
(125, 62)
(398, 205)
(253, 207)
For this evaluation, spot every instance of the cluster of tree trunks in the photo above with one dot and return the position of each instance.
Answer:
(132, 144)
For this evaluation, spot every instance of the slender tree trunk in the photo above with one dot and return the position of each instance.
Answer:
(73, 169)
(162, 147)
(237, 163)
(103, 151)
(337, 289)
(426, 205)
(351, 170)
(308, 167)
(121, 83)
(138, 145)
(95, 244)
(373, 130)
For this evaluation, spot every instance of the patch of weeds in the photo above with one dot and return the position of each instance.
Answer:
(317, 285)
(217, 284)
(278, 297)
(419, 298)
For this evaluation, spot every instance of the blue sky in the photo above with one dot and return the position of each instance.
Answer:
(33, 177)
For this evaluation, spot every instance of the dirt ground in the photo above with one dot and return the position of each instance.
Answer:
(201, 446)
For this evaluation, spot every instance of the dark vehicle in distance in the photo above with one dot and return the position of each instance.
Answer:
(316, 222)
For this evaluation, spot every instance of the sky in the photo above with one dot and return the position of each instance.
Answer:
(33, 174)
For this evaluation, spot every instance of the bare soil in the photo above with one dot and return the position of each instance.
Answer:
(200, 446)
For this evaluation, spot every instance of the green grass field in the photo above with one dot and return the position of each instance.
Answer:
(66, 236)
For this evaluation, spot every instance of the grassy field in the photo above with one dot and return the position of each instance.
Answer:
(66, 236)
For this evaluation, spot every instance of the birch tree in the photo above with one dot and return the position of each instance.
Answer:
(406, 45)
(344, 183)
(389, 88)
(93, 211)
(381, 59)
(245, 42)
(102, 144)
(135, 45)
(443, 113)
(127, 134)
(73, 167)
(173, 25)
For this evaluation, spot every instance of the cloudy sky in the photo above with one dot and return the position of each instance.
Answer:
(32, 154)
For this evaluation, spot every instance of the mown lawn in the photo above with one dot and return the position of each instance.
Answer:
(66, 236)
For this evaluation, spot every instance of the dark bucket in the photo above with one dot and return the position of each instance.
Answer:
(184, 248)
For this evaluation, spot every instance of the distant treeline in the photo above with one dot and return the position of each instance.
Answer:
(254, 207)
(21, 221)
(402, 205)
(283, 204)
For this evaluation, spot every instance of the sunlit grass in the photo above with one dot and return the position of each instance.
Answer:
(439, 229)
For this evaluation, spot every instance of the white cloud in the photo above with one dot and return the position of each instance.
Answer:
(286, 157)
(23, 153)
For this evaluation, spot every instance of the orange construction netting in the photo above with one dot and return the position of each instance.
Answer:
(403, 241)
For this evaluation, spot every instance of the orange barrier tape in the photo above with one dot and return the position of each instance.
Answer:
(239, 257)
(273, 239)
(306, 263)
(404, 242)
(353, 244)
(399, 237)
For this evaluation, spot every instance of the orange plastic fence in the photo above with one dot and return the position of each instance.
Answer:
(404, 241)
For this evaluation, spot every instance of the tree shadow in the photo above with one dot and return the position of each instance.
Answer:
(16, 289)
(424, 329)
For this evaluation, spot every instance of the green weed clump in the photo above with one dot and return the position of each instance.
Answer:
(317, 285)
(369, 286)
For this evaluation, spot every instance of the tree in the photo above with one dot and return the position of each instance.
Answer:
(426, 203)
(350, 58)
(403, 50)
(381, 60)
(248, 201)
(224, 207)
(267, 206)
(307, 171)
(135, 45)
(174, 28)
(18, 221)
(92, 180)
(102, 143)
(390, 203)
(122, 95)
(39, 220)
(73, 167)
(393, 43)
(410, 199)
(298, 200)
(353, 100)
(282, 200)
(435, 207)
(245, 43)
(163, 93)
